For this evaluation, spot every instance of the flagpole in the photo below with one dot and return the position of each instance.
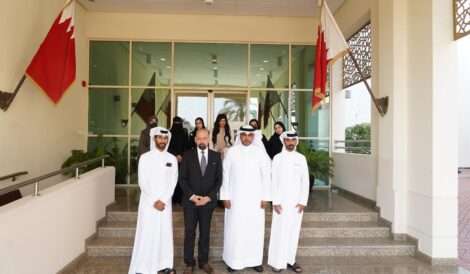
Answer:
(7, 98)
(381, 103)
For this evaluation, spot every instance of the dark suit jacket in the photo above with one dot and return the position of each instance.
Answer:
(193, 182)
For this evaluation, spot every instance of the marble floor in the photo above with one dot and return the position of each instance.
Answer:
(464, 219)
(320, 201)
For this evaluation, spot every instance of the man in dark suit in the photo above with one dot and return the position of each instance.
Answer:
(200, 179)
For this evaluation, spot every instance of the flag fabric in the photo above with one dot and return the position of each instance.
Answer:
(53, 66)
(145, 107)
(272, 98)
(331, 45)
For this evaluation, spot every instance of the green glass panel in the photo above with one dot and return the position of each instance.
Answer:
(108, 111)
(269, 107)
(109, 63)
(272, 61)
(150, 101)
(117, 148)
(211, 64)
(151, 64)
(303, 60)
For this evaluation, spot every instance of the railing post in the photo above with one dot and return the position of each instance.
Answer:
(77, 173)
(102, 162)
(36, 189)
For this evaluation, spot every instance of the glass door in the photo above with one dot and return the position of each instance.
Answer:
(190, 105)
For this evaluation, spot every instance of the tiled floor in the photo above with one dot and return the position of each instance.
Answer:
(320, 202)
(464, 219)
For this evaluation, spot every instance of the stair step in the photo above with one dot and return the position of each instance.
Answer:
(309, 230)
(307, 247)
(368, 216)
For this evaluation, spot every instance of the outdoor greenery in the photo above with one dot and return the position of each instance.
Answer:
(320, 164)
(358, 139)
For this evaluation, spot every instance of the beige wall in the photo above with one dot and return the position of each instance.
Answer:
(35, 134)
(43, 234)
(200, 27)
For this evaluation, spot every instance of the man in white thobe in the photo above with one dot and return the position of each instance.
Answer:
(291, 187)
(246, 189)
(158, 175)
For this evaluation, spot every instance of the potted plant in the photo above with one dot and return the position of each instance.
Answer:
(320, 164)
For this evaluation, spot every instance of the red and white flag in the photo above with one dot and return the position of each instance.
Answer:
(331, 45)
(53, 67)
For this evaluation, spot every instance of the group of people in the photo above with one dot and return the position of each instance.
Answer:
(242, 176)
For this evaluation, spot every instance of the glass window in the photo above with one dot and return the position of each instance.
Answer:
(151, 64)
(133, 176)
(147, 102)
(108, 110)
(302, 66)
(211, 64)
(117, 148)
(233, 105)
(190, 106)
(109, 63)
(311, 124)
(269, 66)
(353, 119)
(269, 107)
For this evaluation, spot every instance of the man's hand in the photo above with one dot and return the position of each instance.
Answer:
(227, 204)
(301, 208)
(159, 205)
(179, 158)
(203, 201)
(196, 199)
(278, 209)
(264, 204)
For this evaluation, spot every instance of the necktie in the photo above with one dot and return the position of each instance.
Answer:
(203, 163)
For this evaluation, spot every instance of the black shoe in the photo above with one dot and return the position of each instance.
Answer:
(258, 268)
(229, 269)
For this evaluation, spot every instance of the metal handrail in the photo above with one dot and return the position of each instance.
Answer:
(13, 176)
(38, 179)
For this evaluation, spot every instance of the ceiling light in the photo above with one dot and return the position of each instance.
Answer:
(265, 61)
(162, 59)
(215, 68)
(261, 69)
(209, 2)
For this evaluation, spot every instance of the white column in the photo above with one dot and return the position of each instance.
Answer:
(417, 159)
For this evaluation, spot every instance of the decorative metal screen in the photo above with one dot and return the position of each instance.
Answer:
(361, 46)
(461, 18)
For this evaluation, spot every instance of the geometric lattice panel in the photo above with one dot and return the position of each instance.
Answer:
(462, 18)
(361, 46)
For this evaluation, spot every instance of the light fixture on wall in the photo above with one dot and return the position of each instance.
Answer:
(209, 2)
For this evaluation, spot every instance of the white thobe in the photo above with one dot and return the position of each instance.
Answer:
(246, 182)
(153, 245)
(291, 186)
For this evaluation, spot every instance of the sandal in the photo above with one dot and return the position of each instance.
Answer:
(168, 271)
(295, 267)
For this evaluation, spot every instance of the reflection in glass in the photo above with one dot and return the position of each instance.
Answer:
(303, 59)
(211, 64)
(312, 124)
(109, 63)
(269, 107)
(117, 148)
(133, 175)
(269, 61)
(189, 106)
(108, 111)
(232, 105)
(147, 102)
(149, 59)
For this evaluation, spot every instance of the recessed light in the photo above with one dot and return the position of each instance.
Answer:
(265, 61)
(261, 69)
(163, 59)
(215, 68)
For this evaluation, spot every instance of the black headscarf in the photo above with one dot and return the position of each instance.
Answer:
(275, 144)
(179, 137)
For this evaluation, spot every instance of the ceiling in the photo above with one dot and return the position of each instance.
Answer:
(219, 7)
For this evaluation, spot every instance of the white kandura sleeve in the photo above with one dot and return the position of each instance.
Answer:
(145, 185)
(276, 180)
(225, 189)
(266, 177)
(304, 190)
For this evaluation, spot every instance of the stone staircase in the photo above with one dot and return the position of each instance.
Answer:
(323, 234)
